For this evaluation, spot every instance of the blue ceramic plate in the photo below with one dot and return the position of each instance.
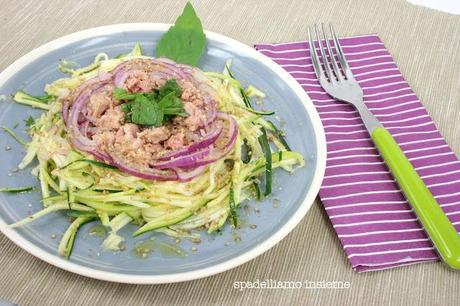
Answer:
(216, 253)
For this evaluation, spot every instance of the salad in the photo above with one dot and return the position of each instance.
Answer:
(153, 141)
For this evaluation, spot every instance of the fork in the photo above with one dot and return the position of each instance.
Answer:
(338, 81)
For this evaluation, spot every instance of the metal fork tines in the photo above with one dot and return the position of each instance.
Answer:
(335, 76)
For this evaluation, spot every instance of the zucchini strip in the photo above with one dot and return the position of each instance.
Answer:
(15, 137)
(17, 189)
(47, 210)
(233, 206)
(263, 140)
(68, 240)
(22, 97)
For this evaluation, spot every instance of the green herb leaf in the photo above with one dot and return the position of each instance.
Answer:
(121, 94)
(171, 105)
(146, 112)
(168, 87)
(152, 108)
(29, 121)
(126, 107)
(185, 41)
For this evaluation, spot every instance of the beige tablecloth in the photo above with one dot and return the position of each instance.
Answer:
(424, 43)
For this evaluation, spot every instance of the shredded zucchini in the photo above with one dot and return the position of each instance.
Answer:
(91, 190)
(17, 189)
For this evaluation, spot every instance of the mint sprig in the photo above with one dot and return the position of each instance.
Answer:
(152, 108)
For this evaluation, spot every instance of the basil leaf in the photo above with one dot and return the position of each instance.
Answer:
(185, 41)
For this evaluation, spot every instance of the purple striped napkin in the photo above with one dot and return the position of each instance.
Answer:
(374, 222)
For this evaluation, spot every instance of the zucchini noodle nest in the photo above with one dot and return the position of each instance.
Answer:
(90, 187)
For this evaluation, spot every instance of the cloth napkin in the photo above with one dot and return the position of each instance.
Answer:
(374, 222)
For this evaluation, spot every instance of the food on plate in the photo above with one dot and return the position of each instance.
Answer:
(153, 141)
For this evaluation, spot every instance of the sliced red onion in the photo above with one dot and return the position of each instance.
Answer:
(218, 153)
(211, 115)
(147, 173)
(104, 76)
(120, 67)
(79, 140)
(184, 161)
(166, 61)
(212, 142)
(91, 131)
(173, 68)
(81, 118)
(102, 156)
(90, 118)
(158, 76)
(188, 175)
(91, 84)
(120, 78)
(206, 141)
(84, 128)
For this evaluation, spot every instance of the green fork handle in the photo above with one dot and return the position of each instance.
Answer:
(439, 228)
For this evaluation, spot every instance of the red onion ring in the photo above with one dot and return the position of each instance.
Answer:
(148, 174)
(206, 141)
(218, 153)
(84, 128)
(120, 78)
(188, 175)
(213, 142)
(79, 140)
(184, 160)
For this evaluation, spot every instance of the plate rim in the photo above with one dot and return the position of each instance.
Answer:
(242, 258)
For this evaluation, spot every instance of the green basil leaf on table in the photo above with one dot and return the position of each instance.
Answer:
(184, 42)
